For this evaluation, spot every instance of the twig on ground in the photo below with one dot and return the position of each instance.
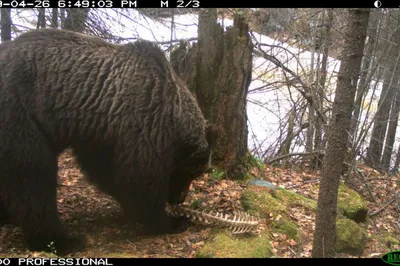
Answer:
(384, 207)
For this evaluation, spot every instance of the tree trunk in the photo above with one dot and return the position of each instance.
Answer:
(286, 143)
(62, 18)
(41, 23)
(375, 148)
(397, 162)
(76, 18)
(363, 87)
(311, 111)
(353, 47)
(54, 18)
(5, 24)
(220, 77)
(394, 113)
(391, 134)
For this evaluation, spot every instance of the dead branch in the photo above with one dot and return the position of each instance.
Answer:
(384, 207)
(278, 158)
(305, 93)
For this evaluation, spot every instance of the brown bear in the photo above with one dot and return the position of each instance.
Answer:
(135, 129)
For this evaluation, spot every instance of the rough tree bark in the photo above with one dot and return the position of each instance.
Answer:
(5, 24)
(366, 73)
(325, 226)
(220, 77)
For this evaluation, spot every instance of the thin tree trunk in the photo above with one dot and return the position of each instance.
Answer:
(325, 225)
(287, 142)
(362, 88)
(62, 18)
(375, 147)
(394, 117)
(311, 111)
(397, 162)
(41, 23)
(5, 24)
(54, 18)
(394, 113)
(321, 80)
(285, 147)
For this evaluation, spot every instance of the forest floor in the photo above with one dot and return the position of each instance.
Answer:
(86, 210)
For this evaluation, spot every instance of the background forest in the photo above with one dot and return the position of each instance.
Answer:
(307, 105)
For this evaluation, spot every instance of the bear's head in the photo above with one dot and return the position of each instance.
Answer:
(192, 162)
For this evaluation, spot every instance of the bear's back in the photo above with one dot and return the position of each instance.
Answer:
(56, 35)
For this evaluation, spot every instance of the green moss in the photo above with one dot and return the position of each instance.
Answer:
(217, 174)
(264, 200)
(350, 237)
(388, 240)
(351, 205)
(241, 172)
(256, 162)
(292, 198)
(226, 245)
(247, 177)
(260, 202)
(289, 228)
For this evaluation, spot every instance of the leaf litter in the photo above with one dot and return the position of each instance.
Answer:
(86, 210)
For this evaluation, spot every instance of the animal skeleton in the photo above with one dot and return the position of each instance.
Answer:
(240, 223)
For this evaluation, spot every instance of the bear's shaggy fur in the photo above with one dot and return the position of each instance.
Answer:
(136, 130)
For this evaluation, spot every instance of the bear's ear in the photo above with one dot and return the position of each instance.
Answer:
(211, 134)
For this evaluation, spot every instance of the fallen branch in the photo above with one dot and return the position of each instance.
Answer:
(381, 178)
(384, 207)
(293, 252)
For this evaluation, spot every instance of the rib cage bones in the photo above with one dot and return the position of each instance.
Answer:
(240, 223)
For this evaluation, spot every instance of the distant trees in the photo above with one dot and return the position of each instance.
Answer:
(385, 123)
